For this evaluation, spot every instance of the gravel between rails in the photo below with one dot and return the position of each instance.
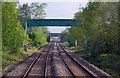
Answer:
(39, 66)
(59, 67)
(76, 69)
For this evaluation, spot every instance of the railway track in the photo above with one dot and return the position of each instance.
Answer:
(90, 69)
(52, 60)
(32, 66)
(75, 69)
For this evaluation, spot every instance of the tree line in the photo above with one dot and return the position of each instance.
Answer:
(14, 16)
(98, 33)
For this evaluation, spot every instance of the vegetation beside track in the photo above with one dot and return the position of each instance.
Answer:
(97, 37)
(110, 63)
(13, 30)
(9, 58)
(107, 62)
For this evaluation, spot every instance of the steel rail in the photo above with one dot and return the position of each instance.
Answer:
(32, 64)
(91, 74)
(46, 63)
(65, 63)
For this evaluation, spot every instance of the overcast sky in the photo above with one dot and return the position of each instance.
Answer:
(61, 10)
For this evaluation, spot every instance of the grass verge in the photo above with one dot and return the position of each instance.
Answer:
(10, 58)
(110, 63)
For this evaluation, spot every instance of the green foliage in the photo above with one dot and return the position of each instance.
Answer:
(33, 10)
(24, 12)
(0, 35)
(36, 35)
(98, 32)
(8, 58)
(98, 35)
(108, 62)
(37, 10)
(64, 34)
(12, 32)
(38, 38)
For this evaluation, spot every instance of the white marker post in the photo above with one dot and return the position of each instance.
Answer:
(75, 45)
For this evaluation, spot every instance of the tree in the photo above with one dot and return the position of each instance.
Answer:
(38, 35)
(37, 10)
(0, 26)
(98, 32)
(34, 11)
(11, 28)
(24, 12)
